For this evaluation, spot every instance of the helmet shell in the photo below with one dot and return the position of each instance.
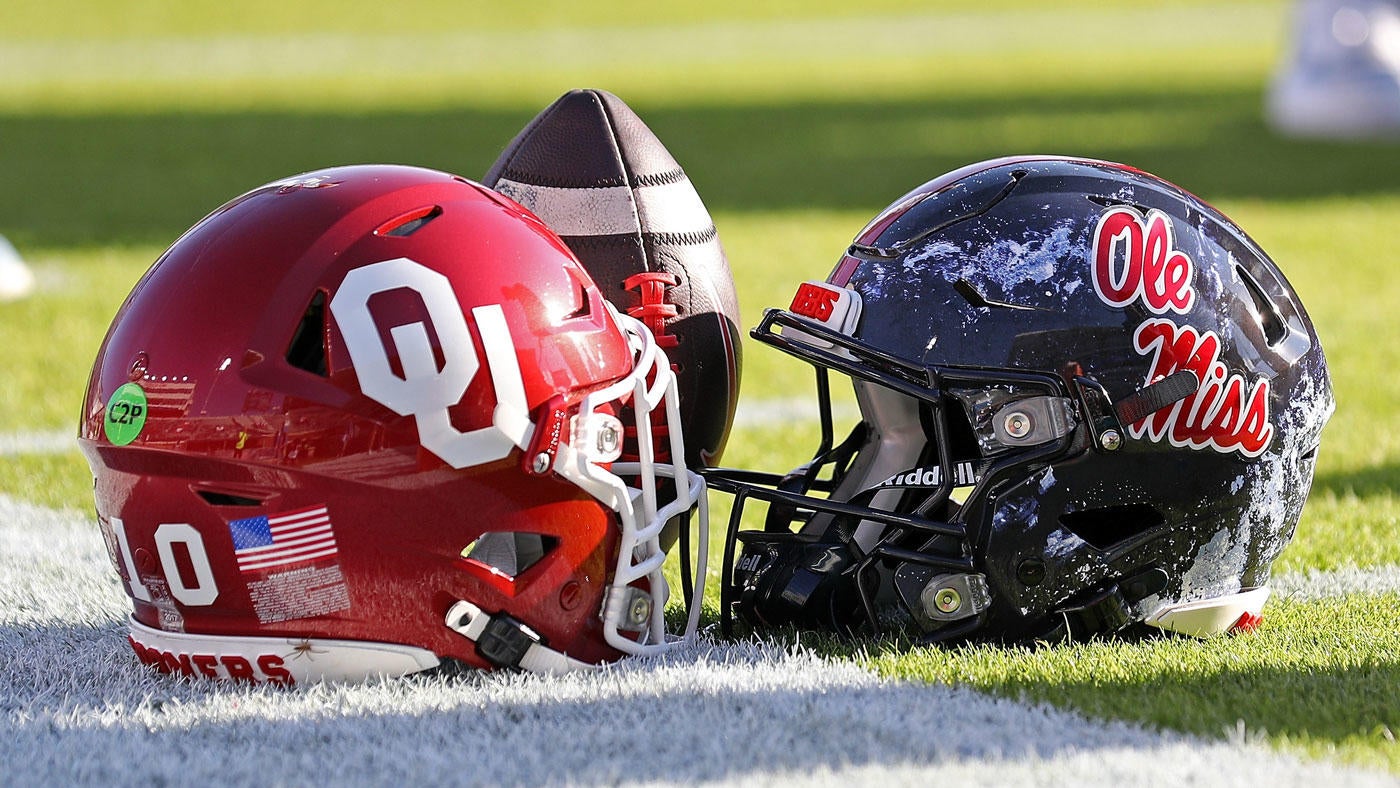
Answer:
(255, 408)
(1077, 267)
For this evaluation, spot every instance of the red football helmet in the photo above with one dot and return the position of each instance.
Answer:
(365, 419)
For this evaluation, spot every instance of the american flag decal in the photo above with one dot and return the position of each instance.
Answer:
(291, 537)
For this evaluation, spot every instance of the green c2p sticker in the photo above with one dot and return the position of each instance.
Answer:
(126, 414)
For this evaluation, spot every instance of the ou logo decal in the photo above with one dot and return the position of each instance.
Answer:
(424, 391)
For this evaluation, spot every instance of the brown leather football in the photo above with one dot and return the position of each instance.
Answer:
(597, 176)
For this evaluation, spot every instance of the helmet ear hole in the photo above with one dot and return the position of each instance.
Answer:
(307, 350)
(1106, 527)
(510, 553)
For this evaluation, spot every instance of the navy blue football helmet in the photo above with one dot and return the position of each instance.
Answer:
(1088, 402)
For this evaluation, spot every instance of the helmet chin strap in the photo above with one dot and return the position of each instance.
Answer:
(507, 643)
(1153, 397)
(1109, 609)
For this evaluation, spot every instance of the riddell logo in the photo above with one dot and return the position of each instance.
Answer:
(267, 668)
(963, 475)
(1135, 258)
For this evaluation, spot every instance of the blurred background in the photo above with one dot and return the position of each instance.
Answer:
(122, 123)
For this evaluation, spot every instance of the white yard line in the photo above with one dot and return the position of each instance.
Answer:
(77, 709)
(1321, 584)
(732, 715)
(48, 442)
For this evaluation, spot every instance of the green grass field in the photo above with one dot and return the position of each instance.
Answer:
(121, 124)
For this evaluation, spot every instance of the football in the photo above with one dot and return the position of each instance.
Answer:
(596, 175)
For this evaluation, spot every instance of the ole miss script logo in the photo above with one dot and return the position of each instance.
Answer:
(1134, 259)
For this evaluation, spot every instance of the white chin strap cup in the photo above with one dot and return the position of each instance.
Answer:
(1214, 616)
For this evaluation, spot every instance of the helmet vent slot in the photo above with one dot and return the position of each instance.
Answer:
(585, 308)
(307, 350)
(215, 498)
(409, 223)
(509, 553)
(974, 296)
(1116, 202)
(1269, 318)
(1110, 525)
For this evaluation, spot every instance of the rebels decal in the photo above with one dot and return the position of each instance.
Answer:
(838, 308)
(815, 300)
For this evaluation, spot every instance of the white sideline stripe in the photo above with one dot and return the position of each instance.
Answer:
(16, 280)
(190, 59)
(613, 210)
(1322, 584)
(740, 714)
(51, 442)
(75, 702)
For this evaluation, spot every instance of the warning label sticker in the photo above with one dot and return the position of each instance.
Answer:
(299, 593)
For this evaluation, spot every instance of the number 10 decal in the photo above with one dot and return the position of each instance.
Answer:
(425, 392)
(202, 591)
